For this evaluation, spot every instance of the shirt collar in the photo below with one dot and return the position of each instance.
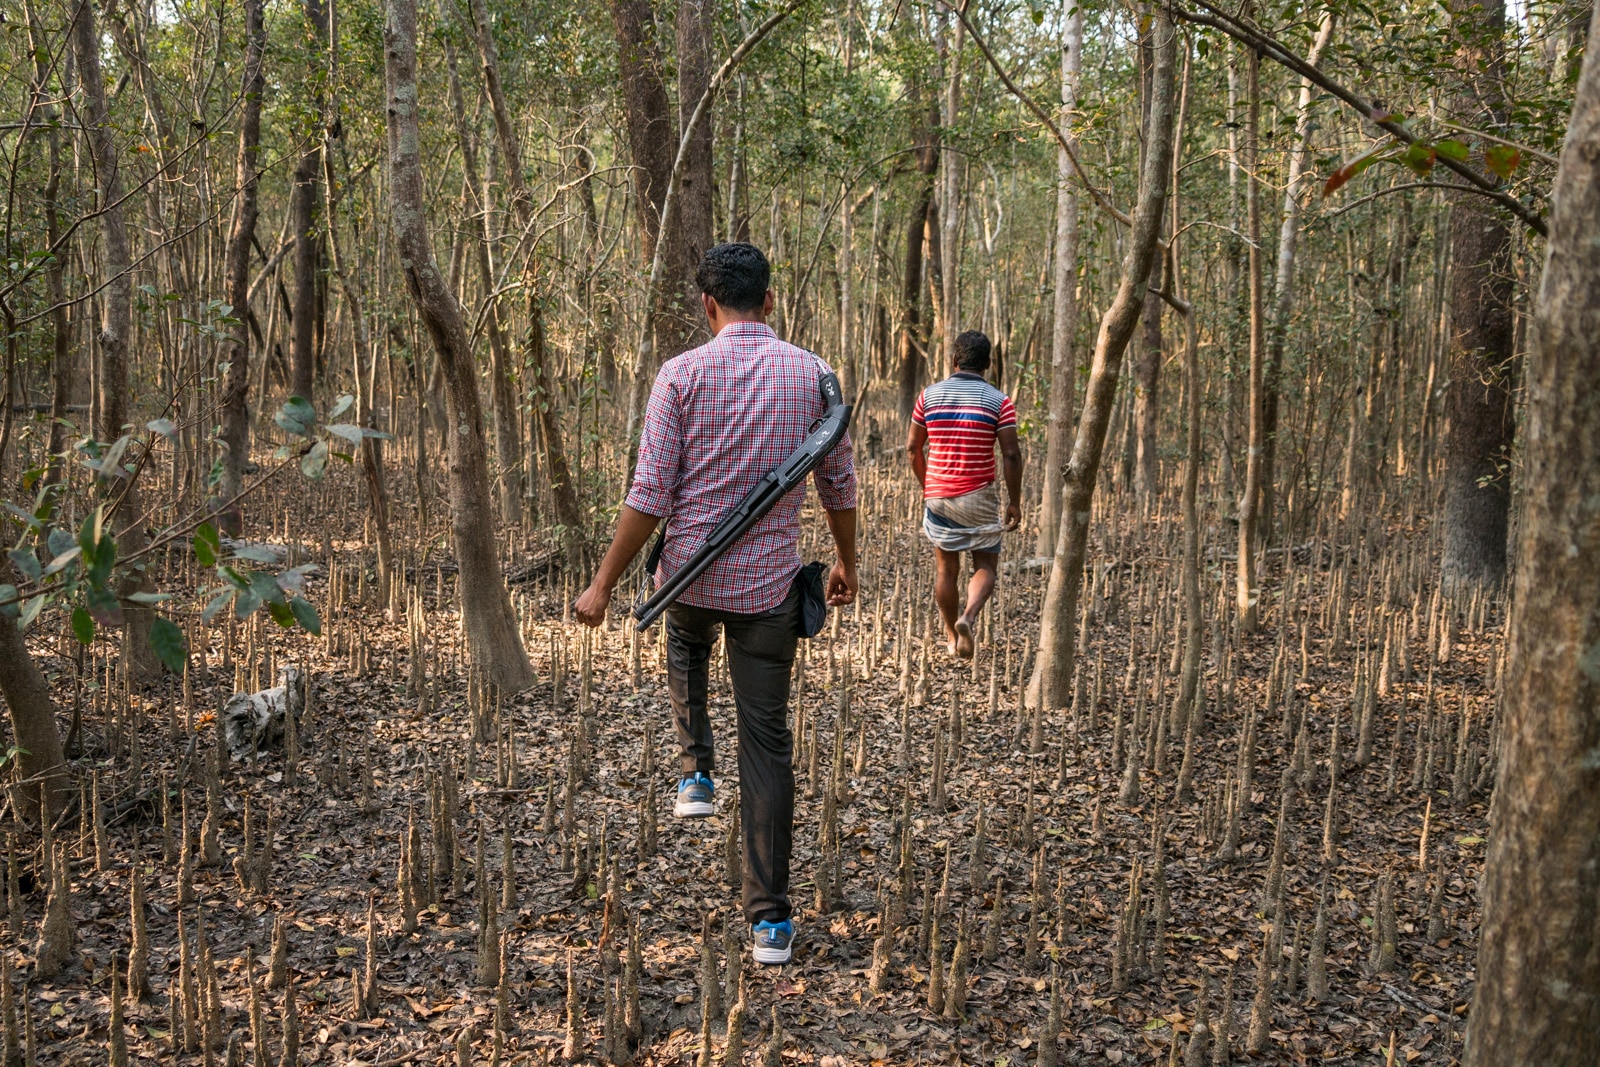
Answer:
(745, 329)
(974, 375)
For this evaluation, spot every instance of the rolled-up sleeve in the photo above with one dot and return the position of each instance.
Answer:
(655, 477)
(835, 478)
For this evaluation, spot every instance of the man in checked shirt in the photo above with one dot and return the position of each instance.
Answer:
(720, 417)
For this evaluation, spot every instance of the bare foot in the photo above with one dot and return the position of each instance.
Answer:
(963, 638)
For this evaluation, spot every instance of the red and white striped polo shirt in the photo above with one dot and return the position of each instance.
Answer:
(964, 415)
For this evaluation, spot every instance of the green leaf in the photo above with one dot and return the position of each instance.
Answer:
(7, 595)
(82, 626)
(1502, 159)
(266, 587)
(281, 614)
(110, 465)
(149, 598)
(207, 544)
(59, 541)
(342, 405)
(165, 427)
(1451, 149)
(30, 611)
(306, 615)
(1419, 158)
(216, 605)
(256, 554)
(294, 579)
(349, 431)
(63, 560)
(315, 462)
(296, 416)
(167, 640)
(245, 604)
(104, 606)
(26, 562)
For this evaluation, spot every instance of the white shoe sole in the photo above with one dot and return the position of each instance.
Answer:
(772, 956)
(693, 809)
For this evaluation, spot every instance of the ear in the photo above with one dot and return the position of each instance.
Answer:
(768, 302)
(710, 305)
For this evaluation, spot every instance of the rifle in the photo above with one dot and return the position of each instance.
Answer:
(825, 434)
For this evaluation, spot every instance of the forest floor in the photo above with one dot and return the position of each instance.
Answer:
(339, 845)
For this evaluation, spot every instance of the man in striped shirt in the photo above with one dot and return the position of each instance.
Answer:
(954, 428)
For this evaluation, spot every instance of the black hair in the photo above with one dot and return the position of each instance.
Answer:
(735, 275)
(972, 351)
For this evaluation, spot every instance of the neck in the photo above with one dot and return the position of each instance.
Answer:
(724, 319)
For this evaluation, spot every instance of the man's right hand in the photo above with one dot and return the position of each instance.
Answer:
(843, 584)
(590, 607)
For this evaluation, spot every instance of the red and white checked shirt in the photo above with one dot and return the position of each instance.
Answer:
(721, 417)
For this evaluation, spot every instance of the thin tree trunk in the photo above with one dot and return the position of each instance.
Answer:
(303, 208)
(1538, 992)
(568, 512)
(491, 628)
(365, 360)
(1250, 499)
(680, 315)
(1052, 682)
(1283, 281)
(116, 323)
(1062, 366)
(1147, 393)
(236, 382)
(949, 201)
(913, 337)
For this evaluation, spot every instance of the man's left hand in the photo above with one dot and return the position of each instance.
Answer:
(843, 584)
(1013, 515)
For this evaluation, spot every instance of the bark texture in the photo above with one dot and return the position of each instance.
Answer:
(1477, 490)
(1538, 993)
(491, 629)
(303, 217)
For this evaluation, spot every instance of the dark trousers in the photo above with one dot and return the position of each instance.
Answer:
(760, 659)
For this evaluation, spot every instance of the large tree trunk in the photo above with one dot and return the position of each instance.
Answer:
(568, 512)
(41, 762)
(1538, 994)
(236, 382)
(949, 200)
(1250, 499)
(1062, 366)
(1477, 492)
(116, 323)
(490, 624)
(303, 215)
(1052, 682)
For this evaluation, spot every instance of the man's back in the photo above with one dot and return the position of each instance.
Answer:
(963, 415)
(720, 417)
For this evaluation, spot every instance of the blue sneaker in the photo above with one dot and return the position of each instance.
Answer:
(774, 942)
(696, 796)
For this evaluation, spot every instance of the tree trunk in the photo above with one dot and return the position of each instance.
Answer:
(568, 512)
(949, 200)
(1283, 280)
(366, 363)
(236, 382)
(1063, 368)
(490, 625)
(56, 273)
(507, 434)
(1052, 682)
(1147, 394)
(41, 762)
(913, 337)
(1477, 492)
(116, 323)
(1250, 499)
(1538, 993)
(681, 316)
(303, 211)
